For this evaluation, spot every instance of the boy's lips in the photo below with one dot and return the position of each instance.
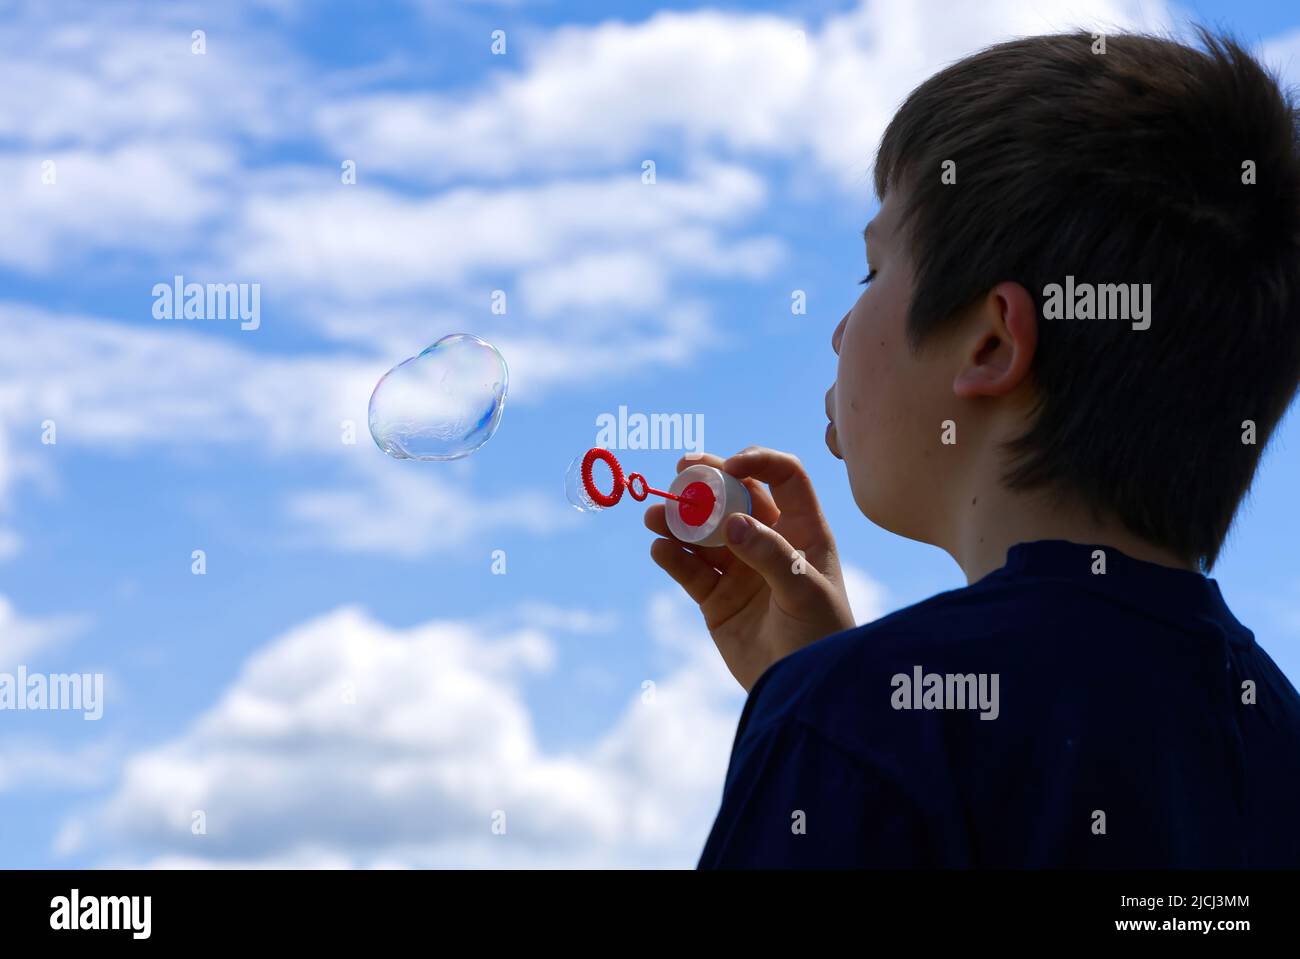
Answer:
(830, 441)
(830, 427)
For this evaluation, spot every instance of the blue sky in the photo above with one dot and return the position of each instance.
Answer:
(349, 683)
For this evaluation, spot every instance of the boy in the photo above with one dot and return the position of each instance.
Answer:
(1081, 326)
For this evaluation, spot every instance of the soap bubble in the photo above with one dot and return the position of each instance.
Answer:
(576, 492)
(443, 404)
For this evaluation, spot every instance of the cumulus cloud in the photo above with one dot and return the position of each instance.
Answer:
(23, 637)
(132, 196)
(704, 81)
(110, 384)
(867, 596)
(84, 73)
(369, 242)
(37, 765)
(349, 742)
(401, 512)
(114, 136)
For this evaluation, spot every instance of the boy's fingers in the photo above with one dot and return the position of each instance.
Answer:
(654, 519)
(717, 556)
(693, 459)
(691, 572)
(768, 553)
(792, 490)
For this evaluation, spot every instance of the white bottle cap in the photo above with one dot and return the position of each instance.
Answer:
(729, 494)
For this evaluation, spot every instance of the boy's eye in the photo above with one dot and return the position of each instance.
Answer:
(868, 278)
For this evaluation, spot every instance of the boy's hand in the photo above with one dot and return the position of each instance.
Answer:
(759, 600)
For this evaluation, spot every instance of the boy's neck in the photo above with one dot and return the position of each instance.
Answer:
(990, 519)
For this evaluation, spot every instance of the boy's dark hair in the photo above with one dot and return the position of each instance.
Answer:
(1119, 167)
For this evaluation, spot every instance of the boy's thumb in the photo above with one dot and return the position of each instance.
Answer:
(768, 553)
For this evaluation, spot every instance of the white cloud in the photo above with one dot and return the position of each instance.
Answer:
(625, 280)
(116, 384)
(363, 243)
(540, 364)
(407, 510)
(35, 765)
(438, 738)
(95, 74)
(134, 196)
(22, 637)
(549, 616)
(699, 82)
(867, 596)
(144, 136)
(592, 96)
(1283, 53)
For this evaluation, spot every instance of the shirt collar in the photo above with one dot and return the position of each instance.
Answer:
(1171, 593)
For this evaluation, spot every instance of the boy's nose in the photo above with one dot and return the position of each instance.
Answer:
(838, 335)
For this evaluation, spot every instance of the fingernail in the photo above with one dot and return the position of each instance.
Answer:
(737, 528)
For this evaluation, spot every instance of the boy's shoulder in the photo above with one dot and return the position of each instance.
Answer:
(1054, 647)
(957, 629)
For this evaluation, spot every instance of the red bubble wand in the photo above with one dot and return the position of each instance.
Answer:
(694, 504)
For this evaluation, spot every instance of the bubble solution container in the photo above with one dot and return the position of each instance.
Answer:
(707, 497)
(700, 497)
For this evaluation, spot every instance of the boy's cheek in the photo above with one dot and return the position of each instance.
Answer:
(888, 472)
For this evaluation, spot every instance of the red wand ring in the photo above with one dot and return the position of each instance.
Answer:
(620, 484)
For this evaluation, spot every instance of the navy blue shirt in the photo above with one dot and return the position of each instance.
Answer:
(1047, 715)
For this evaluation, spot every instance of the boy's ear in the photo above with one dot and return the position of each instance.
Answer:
(997, 342)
